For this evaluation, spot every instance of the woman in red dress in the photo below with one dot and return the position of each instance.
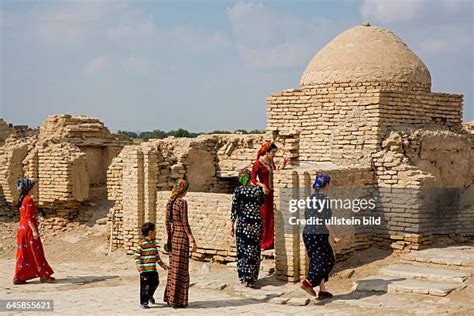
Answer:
(30, 259)
(262, 175)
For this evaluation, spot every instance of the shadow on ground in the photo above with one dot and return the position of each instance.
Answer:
(381, 285)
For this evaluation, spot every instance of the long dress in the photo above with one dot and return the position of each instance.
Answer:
(30, 259)
(316, 241)
(177, 226)
(245, 210)
(264, 173)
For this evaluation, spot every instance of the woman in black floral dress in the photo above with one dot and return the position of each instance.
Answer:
(247, 225)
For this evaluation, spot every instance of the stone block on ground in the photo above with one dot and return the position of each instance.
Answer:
(428, 273)
(450, 256)
(380, 283)
(298, 301)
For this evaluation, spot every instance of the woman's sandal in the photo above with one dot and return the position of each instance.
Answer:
(18, 282)
(323, 295)
(48, 280)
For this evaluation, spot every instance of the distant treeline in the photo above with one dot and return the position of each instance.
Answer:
(180, 132)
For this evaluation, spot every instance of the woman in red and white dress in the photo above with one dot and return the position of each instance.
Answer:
(30, 260)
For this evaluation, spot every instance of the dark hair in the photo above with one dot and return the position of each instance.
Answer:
(24, 193)
(147, 228)
(271, 147)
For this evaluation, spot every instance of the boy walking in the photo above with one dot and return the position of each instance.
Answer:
(146, 257)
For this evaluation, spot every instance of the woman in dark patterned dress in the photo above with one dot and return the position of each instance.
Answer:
(179, 239)
(245, 214)
(316, 240)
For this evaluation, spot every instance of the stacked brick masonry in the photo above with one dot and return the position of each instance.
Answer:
(79, 130)
(209, 218)
(337, 123)
(115, 194)
(419, 109)
(61, 166)
(210, 163)
(11, 156)
(424, 178)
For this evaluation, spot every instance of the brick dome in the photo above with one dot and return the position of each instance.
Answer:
(366, 53)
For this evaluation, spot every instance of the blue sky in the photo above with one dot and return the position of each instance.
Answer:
(200, 65)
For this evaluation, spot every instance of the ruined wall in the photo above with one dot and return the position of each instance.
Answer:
(79, 130)
(12, 155)
(5, 131)
(424, 177)
(209, 219)
(63, 178)
(209, 162)
(68, 156)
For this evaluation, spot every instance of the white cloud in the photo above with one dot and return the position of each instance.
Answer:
(192, 39)
(389, 11)
(270, 40)
(95, 65)
(138, 65)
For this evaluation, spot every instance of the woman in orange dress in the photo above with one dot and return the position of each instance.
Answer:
(179, 239)
(30, 260)
(262, 175)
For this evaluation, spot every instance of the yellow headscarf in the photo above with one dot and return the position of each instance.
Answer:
(180, 187)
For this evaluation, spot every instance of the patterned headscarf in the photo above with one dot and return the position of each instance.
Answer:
(321, 181)
(25, 185)
(244, 176)
(179, 188)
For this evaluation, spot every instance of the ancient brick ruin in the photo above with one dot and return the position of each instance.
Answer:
(68, 157)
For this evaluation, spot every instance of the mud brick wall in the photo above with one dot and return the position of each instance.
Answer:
(210, 163)
(63, 176)
(336, 123)
(209, 219)
(115, 194)
(133, 201)
(419, 109)
(11, 157)
(79, 130)
(351, 183)
(424, 179)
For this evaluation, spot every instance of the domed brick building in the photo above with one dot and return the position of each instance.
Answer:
(365, 113)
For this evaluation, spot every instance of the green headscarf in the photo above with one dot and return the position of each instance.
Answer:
(244, 176)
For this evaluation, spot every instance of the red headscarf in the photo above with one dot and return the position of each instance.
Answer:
(263, 150)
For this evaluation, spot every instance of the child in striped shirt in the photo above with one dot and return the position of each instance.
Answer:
(146, 258)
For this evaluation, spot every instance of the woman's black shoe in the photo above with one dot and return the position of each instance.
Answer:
(324, 295)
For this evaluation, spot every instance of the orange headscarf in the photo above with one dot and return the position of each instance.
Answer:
(263, 150)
